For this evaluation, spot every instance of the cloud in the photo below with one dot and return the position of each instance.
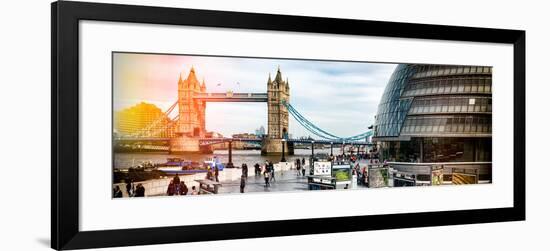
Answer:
(339, 97)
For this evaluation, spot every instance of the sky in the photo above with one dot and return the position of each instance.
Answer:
(339, 97)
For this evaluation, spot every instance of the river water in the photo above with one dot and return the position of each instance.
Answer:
(250, 157)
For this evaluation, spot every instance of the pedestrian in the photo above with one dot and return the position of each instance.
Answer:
(129, 186)
(117, 193)
(272, 170)
(297, 162)
(183, 188)
(244, 170)
(243, 183)
(217, 173)
(303, 161)
(209, 174)
(140, 191)
(176, 179)
(194, 190)
(266, 176)
(171, 189)
(303, 171)
(257, 170)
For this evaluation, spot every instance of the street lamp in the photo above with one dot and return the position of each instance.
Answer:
(283, 151)
(331, 149)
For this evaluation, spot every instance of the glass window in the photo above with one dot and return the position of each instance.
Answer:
(467, 87)
(467, 124)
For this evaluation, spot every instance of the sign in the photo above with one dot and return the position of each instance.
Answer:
(322, 168)
(342, 173)
(378, 177)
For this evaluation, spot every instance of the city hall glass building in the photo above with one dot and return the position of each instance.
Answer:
(435, 113)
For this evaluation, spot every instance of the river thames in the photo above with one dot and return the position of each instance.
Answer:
(250, 157)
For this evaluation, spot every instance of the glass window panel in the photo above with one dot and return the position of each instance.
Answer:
(460, 88)
(467, 124)
(474, 85)
(467, 87)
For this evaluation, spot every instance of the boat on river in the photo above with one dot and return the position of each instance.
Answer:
(179, 166)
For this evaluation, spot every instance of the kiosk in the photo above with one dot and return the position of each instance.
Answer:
(326, 175)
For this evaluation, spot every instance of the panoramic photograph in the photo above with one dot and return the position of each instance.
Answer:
(189, 125)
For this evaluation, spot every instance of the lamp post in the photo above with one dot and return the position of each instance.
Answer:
(283, 151)
(331, 149)
(230, 162)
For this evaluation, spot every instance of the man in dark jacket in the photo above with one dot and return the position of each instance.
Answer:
(140, 190)
(243, 183)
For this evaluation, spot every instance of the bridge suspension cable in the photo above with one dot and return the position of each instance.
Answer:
(308, 125)
(159, 125)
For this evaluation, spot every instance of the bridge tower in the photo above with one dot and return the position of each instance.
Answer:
(191, 123)
(278, 90)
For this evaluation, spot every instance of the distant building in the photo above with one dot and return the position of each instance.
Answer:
(245, 136)
(138, 117)
(260, 132)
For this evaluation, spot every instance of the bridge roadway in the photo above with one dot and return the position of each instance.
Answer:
(231, 97)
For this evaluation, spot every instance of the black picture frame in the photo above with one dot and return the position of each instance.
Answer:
(65, 233)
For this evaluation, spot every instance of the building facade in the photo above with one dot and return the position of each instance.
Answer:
(436, 113)
(132, 120)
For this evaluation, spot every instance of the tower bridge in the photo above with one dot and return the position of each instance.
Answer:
(186, 130)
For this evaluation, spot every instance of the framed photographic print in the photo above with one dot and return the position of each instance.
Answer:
(179, 125)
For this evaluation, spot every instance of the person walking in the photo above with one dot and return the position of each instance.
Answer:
(243, 183)
(244, 170)
(171, 189)
(117, 193)
(130, 187)
(183, 188)
(140, 190)
(257, 170)
(216, 173)
(272, 171)
(209, 175)
(266, 176)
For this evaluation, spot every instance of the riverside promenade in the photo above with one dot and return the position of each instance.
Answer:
(285, 180)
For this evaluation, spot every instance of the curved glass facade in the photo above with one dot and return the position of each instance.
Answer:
(393, 109)
(436, 113)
